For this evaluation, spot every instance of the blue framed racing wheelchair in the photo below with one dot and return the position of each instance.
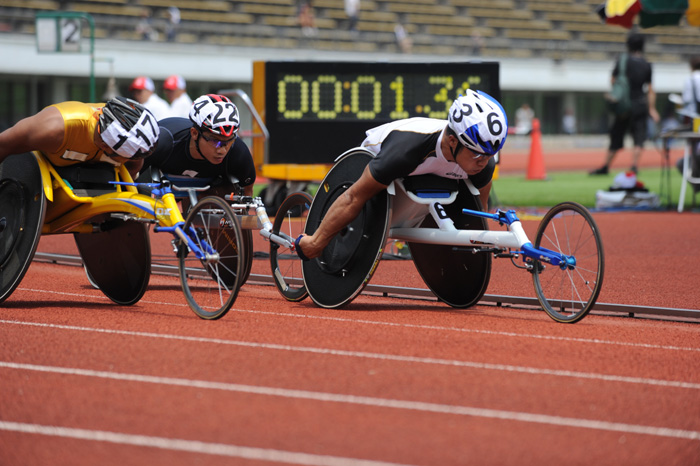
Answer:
(450, 243)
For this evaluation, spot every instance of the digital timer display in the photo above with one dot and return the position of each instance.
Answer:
(314, 111)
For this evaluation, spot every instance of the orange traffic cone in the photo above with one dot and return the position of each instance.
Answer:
(535, 164)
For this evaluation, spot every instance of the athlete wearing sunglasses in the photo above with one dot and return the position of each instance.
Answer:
(460, 148)
(205, 145)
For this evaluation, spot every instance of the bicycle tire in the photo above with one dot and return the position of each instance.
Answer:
(211, 287)
(568, 294)
(285, 264)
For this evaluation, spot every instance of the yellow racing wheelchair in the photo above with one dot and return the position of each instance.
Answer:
(101, 206)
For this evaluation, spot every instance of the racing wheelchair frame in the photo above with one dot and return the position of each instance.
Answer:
(109, 220)
(451, 246)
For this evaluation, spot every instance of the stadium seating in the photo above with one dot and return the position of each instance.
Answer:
(557, 29)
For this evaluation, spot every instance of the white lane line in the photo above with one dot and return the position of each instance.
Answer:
(190, 446)
(378, 356)
(370, 401)
(482, 332)
(595, 341)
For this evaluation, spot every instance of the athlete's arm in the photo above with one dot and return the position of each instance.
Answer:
(343, 211)
(43, 131)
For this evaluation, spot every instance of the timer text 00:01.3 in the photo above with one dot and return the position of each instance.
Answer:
(368, 97)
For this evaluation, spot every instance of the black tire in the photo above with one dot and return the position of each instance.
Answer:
(22, 214)
(285, 264)
(211, 286)
(19, 234)
(248, 252)
(569, 293)
(456, 275)
(117, 260)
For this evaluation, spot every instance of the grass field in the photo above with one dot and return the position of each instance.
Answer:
(516, 191)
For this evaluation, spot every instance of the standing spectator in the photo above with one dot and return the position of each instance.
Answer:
(691, 88)
(173, 23)
(403, 40)
(691, 106)
(143, 91)
(306, 19)
(523, 119)
(643, 99)
(174, 88)
(568, 121)
(477, 43)
(352, 9)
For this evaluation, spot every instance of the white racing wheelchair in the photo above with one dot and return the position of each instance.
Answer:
(446, 231)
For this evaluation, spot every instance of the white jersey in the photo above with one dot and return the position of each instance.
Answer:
(411, 147)
(158, 107)
(180, 107)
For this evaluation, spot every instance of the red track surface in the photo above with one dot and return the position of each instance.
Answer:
(83, 381)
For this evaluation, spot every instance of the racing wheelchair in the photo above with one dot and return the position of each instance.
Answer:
(100, 205)
(251, 211)
(446, 231)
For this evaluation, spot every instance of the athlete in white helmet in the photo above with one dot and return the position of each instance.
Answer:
(68, 133)
(204, 146)
(461, 148)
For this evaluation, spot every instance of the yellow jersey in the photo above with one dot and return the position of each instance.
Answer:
(78, 146)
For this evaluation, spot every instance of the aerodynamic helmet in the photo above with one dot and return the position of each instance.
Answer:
(216, 113)
(128, 128)
(479, 122)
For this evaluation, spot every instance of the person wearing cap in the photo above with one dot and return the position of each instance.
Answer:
(174, 88)
(463, 147)
(143, 91)
(120, 131)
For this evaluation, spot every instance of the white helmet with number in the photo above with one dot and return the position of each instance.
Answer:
(479, 122)
(216, 113)
(128, 128)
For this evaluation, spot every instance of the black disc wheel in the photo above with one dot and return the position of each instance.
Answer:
(22, 212)
(211, 283)
(568, 292)
(285, 264)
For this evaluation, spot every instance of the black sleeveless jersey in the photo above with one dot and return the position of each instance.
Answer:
(172, 155)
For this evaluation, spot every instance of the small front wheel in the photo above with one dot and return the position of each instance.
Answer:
(211, 283)
(286, 265)
(568, 293)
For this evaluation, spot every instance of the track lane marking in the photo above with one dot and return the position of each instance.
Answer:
(190, 446)
(379, 356)
(438, 408)
(416, 326)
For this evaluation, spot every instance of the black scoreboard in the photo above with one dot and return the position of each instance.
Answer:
(315, 111)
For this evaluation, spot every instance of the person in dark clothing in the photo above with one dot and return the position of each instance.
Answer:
(204, 146)
(643, 99)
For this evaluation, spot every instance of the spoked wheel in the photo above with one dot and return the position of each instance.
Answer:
(286, 265)
(211, 284)
(568, 293)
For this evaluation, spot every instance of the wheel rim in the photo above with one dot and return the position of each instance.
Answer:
(211, 285)
(568, 294)
(285, 264)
